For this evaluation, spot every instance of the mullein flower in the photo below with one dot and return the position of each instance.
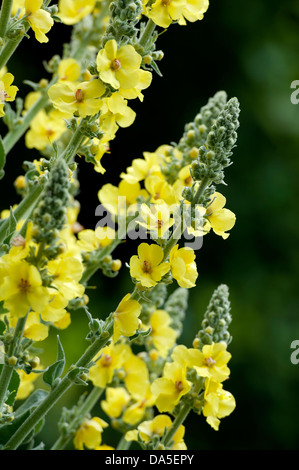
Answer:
(157, 219)
(90, 240)
(211, 362)
(73, 11)
(67, 273)
(115, 113)
(164, 12)
(44, 129)
(111, 359)
(119, 67)
(148, 268)
(89, 435)
(22, 289)
(7, 91)
(126, 318)
(194, 10)
(117, 399)
(148, 430)
(40, 20)
(169, 388)
(220, 218)
(81, 99)
(118, 199)
(69, 70)
(183, 266)
(162, 337)
(218, 403)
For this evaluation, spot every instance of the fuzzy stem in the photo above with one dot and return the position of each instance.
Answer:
(12, 350)
(5, 16)
(14, 135)
(180, 418)
(147, 33)
(58, 391)
(86, 407)
(123, 444)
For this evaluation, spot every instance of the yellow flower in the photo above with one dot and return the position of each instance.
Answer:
(135, 412)
(160, 190)
(72, 11)
(111, 359)
(141, 168)
(163, 12)
(117, 398)
(156, 427)
(40, 20)
(183, 266)
(144, 81)
(119, 67)
(194, 10)
(126, 318)
(218, 403)
(44, 129)
(22, 289)
(148, 268)
(34, 328)
(162, 336)
(7, 90)
(26, 386)
(169, 388)
(69, 70)
(82, 99)
(114, 113)
(220, 219)
(211, 362)
(55, 309)
(67, 273)
(157, 219)
(118, 199)
(90, 240)
(90, 433)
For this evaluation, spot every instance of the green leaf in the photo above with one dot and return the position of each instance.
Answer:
(12, 387)
(21, 415)
(55, 370)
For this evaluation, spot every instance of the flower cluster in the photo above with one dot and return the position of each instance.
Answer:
(150, 381)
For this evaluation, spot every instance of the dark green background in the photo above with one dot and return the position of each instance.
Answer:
(250, 49)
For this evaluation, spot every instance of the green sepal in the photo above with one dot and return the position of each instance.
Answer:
(55, 370)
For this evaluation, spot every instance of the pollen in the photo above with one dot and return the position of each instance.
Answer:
(79, 95)
(146, 267)
(179, 385)
(116, 64)
(24, 285)
(106, 360)
(210, 361)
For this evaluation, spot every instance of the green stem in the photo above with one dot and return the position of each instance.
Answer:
(23, 210)
(147, 33)
(14, 135)
(5, 16)
(123, 444)
(74, 144)
(59, 390)
(84, 410)
(182, 415)
(7, 369)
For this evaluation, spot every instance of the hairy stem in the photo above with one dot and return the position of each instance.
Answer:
(59, 390)
(81, 414)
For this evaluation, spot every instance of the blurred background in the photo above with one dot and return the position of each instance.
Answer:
(250, 50)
